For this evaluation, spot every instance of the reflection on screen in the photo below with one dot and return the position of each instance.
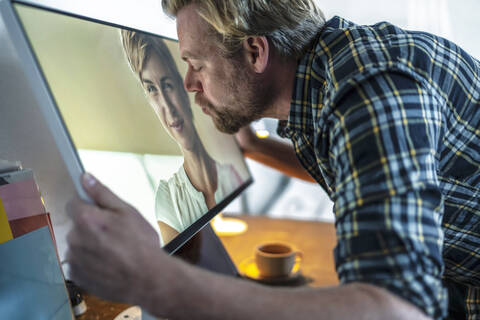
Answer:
(121, 95)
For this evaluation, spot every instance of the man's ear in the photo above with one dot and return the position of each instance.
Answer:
(257, 50)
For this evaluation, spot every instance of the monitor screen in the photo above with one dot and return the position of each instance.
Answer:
(120, 94)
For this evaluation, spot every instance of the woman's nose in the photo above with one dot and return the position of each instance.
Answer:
(172, 109)
(166, 102)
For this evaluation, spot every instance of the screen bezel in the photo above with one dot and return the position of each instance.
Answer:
(176, 243)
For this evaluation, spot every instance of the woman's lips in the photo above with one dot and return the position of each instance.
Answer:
(177, 125)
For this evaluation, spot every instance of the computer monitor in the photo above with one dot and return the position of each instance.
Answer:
(81, 94)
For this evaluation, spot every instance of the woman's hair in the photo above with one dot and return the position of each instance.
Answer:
(139, 46)
(289, 25)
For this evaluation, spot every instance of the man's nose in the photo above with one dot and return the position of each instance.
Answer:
(191, 83)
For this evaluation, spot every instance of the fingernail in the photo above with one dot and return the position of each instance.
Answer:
(89, 180)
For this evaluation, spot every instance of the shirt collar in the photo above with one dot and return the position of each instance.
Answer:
(299, 112)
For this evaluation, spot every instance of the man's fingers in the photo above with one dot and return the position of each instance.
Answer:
(75, 207)
(102, 196)
(88, 217)
(83, 273)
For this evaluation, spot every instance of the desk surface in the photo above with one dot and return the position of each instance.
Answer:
(315, 239)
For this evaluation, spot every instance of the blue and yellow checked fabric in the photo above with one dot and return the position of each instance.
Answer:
(388, 122)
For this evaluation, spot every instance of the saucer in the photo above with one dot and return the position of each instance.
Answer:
(248, 269)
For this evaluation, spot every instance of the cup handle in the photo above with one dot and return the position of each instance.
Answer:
(298, 256)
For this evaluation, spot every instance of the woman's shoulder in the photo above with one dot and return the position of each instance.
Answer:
(165, 196)
(165, 188)
(176, 180)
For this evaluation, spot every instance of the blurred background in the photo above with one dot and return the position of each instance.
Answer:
(458, 20)
(274, 194)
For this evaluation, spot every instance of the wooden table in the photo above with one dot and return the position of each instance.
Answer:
(315, 239)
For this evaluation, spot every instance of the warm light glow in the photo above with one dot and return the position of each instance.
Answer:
(262, 134)
(228, 226)
(250, 270)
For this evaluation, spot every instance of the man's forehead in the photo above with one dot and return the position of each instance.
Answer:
(192, 32)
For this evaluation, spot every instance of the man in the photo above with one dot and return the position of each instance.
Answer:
(387, 121)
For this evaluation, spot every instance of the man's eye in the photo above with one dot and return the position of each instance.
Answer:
(196, 68)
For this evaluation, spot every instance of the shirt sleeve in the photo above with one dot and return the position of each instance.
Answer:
(164, 209)
(388, 205)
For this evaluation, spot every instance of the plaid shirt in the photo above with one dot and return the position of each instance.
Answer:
(387, 121)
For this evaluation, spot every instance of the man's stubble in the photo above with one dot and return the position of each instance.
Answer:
(247, 98)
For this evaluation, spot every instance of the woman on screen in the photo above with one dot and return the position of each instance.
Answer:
(201, 182)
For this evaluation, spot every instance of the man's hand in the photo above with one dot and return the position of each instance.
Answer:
(115, 254)
(110, 245)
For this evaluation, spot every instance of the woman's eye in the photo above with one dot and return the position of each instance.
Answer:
(167, 86)
(151, 88)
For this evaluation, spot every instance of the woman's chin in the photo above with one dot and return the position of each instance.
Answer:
(187, 145)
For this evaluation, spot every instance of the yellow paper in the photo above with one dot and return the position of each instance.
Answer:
(5, 231)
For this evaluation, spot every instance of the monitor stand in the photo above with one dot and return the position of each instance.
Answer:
(206, 251)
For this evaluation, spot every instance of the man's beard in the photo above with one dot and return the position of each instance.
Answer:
(249, 99)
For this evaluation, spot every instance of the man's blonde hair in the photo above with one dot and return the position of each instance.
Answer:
(289, 25)
(139, 46)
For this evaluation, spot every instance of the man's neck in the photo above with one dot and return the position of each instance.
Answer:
(283, 77)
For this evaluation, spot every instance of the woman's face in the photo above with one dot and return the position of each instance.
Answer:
(169, 99)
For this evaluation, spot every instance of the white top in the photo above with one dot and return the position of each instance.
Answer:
(179, 204)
